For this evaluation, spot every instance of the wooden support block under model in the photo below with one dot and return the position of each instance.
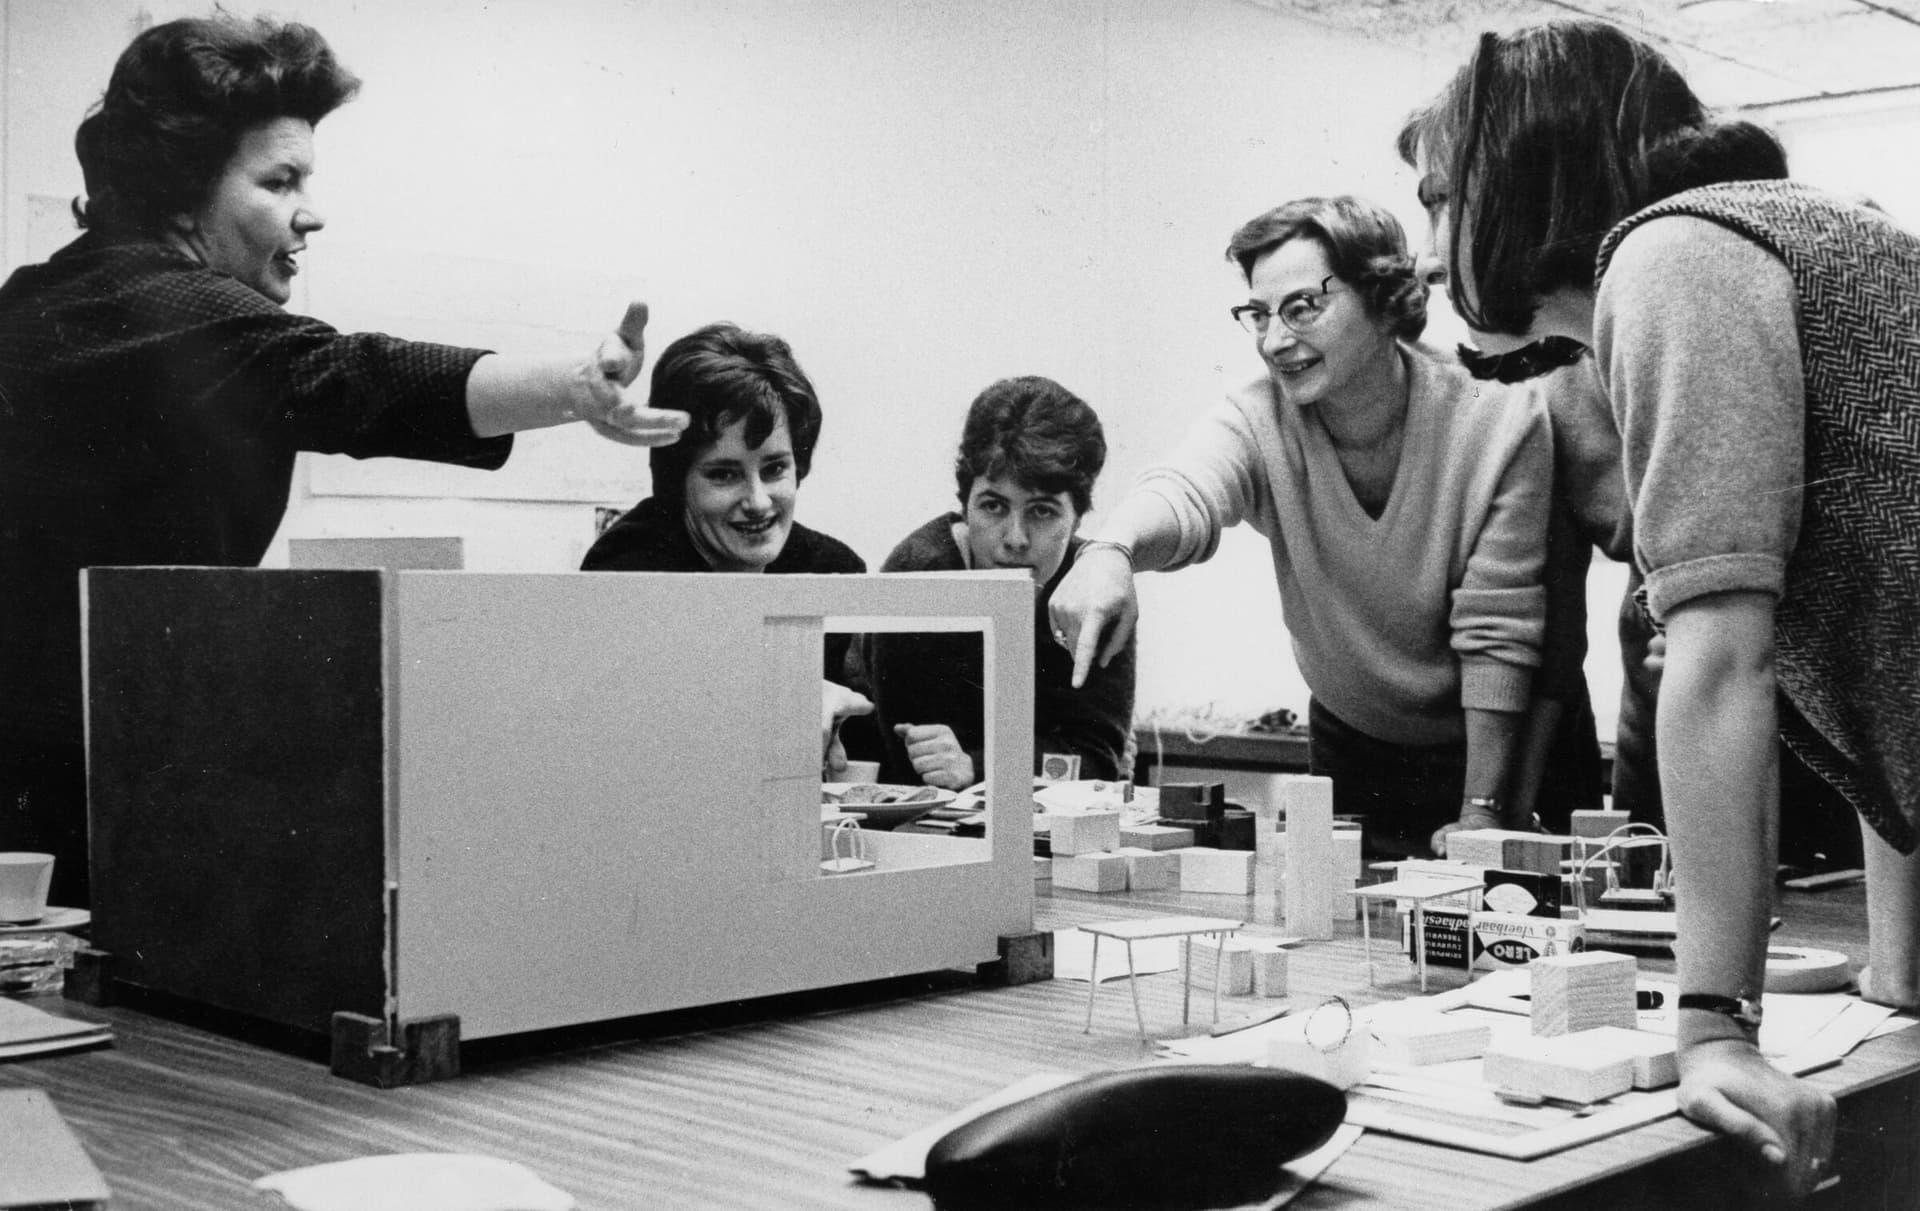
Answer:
(1148, 870)
(1090, 872)
(1155, 836)
(1227, 872)
(1083, 832)
(1655, 1066)
(1562, 1068)
(1580, 991)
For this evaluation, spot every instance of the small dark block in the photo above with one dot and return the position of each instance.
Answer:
(1025, 958)
(90, 980)
(429, 1050)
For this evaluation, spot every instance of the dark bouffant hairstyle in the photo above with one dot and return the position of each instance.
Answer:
(1544, 140)
(1036, 432)
(1365, 245)
(719, 375)
(181, 97)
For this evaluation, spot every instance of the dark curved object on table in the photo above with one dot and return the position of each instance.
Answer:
(1186, 1135)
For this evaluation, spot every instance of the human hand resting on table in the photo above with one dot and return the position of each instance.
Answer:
(599, 400)
(936, 755)
(1728, 1086)
(837, 703)
(1095, 598)
(1470, 817)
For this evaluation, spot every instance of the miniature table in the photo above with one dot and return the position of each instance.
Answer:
(1419, 890)
(1129, 932)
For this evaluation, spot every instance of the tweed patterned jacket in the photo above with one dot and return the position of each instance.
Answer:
(1847, 627)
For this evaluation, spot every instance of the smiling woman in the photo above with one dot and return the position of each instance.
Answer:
(1406, 509)
(723, 498)
(157, 394)
(1029, 455)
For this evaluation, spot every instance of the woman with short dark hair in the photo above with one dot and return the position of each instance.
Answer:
(1406, 509)
(723, 496)
(1030, 452)
(157, 393)
(1758, 341)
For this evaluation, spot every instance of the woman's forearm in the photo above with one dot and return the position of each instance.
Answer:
(511, 394)
(1493, 744)
(1720, 778)
(1144, 523)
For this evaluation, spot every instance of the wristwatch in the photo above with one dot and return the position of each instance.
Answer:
(1744, 1010)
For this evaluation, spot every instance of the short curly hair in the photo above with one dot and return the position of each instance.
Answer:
(181, 97)
(1365, 246)
(720, 375)
(1036, 432)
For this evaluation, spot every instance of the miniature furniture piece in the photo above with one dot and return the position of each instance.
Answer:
(1129, 932)
(411, 808)
(1417, 890)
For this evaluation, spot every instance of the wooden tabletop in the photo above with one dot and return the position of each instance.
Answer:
(762, 1105)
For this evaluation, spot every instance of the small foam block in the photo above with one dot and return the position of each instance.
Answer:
(1425, 1037)
(1535, 852)
(1220, 1136)
(1577, 992)
(1156, 837)
(1236, 964)
(1148, 870)
(1564, 1068)
(1655, 1066)
(1218, 871)
(1269, 968)
(1596, 825)
(1090, 872)
(1192, 802)
(1089, 832)
(1509, 849)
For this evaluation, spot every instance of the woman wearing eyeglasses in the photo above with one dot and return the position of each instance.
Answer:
(1406, 505)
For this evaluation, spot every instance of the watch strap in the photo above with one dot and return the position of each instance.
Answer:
(1740, 1009)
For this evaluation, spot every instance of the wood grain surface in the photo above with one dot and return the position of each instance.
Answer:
(762, 1104)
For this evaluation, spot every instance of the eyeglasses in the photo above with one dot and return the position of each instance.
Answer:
(1299, 311)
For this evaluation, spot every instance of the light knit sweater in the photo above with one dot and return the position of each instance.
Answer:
(1398, 622)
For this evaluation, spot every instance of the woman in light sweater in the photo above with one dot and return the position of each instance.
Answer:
(1757, 341)
(1406, 505)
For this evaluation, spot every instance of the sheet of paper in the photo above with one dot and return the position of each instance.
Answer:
(42, 1163)
(26, 1031)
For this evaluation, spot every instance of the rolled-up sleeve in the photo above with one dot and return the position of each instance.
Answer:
(1698, 334)
(1498, 614)
(1214, 479)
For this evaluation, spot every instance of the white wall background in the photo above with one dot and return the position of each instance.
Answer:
(921, 196)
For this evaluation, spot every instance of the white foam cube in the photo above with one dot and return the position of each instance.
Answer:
(1562, 1067)
(1420, 1037)
(1150, 870)
(1100, 872)
(1269, 969)
(1155, 836)
(1655, 1066)
(1227, 872)
(1235, 956)
(1089, 832)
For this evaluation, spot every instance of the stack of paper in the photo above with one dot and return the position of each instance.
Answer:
(25, 1031)
(41, 1163)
